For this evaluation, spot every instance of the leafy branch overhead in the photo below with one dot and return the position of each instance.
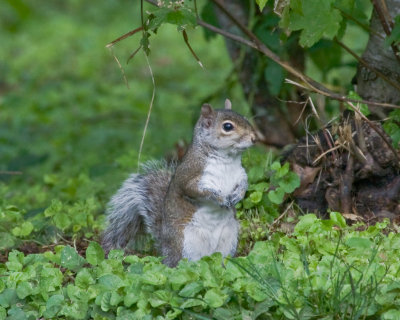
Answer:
(315, 20)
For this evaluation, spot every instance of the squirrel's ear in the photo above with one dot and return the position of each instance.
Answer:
(228, 104)
(206, 113)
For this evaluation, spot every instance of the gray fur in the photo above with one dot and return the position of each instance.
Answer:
(188, 209)
(137, 205)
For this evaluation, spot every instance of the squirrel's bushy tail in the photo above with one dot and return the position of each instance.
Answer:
(137, 205)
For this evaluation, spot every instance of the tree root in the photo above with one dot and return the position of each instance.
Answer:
(349, 168)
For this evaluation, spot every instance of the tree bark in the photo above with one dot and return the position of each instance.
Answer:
(381, 57)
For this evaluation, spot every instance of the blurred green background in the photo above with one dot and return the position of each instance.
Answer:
(69, 123)
(65, 110)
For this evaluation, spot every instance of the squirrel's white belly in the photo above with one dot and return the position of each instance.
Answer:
(212, 229)
(222, 175)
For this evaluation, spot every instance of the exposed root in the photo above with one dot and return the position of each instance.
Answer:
(348, 167)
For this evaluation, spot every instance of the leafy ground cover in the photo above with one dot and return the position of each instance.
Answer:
(69, 134)
(325, 269)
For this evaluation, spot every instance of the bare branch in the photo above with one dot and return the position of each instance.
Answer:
(10, 172)
(375, 128)
(126, 35)
(365, 64)
(386, 22)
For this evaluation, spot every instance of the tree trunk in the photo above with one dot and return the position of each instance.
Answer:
(380, 57)
(348, 167)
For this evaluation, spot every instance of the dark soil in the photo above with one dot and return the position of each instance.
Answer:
(30, 247)
(348, 167)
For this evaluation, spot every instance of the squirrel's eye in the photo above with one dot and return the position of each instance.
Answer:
(227, 126)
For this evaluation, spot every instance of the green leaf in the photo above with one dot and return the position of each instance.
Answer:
(3, 313)
(111, 282)
(84, 279)
(261, 4)
(215, 298)
(8, 298)
(131, 297)
(16, 313)
(160, 298)
(326, 55)
(208, 15)
(154, 278)
(262, 186)
(55, 207)
(290, 182)
(393, 130)
(276, 196)
(24, 289)
(315, 19)
(338, 219)
(275, 166)
(256, 174)
(94, 253)
(392, 314)
(115, 298)
(6, 240)
(24, 230)
(274, 75)
(50, 279)
(53, 305)
(223, 314)
(363, 107)
(283, 170)
(62, 221)
(71, 259)
(191, 289)
(256, 292)
(395, 34)
(305, 223)
(256, 196)
(359, 243)
(105, 301)
(182, 17)
(116, 254)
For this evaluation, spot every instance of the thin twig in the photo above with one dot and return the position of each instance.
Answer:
(359, 23)
(365, 64)
(195, 9)
(375, 128)
(386, 22)
(381, 15)
(386, 14)
(346, 186)
(126, 35)
(226, 34)
(133, 54)
(186, 39)
(10, 172)
(120, 66)
(149, 112)
(282, 215)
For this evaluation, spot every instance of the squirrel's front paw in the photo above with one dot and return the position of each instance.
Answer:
(236, 195)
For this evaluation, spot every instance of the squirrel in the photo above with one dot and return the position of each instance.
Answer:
(189, 209)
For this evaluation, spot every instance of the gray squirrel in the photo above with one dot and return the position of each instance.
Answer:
(188, 209)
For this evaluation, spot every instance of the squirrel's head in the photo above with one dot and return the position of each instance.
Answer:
(224, 129)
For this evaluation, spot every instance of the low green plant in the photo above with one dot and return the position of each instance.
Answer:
(392, 127)
(325, 269)
(270, 183)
